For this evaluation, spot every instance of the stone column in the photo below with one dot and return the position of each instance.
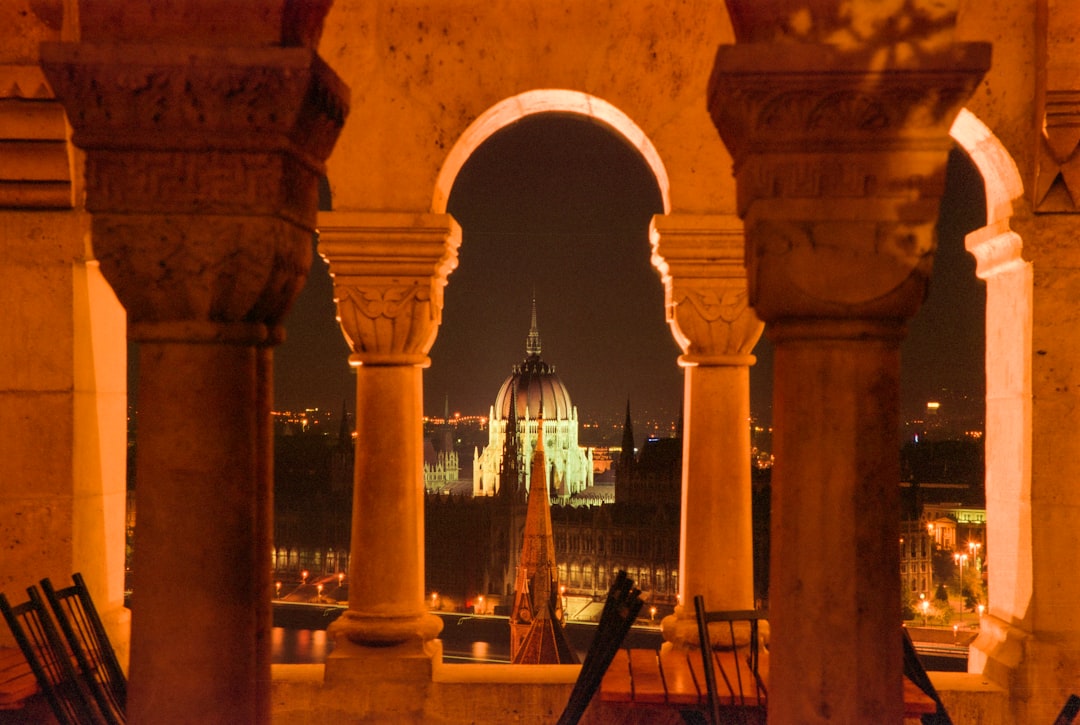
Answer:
(839, 156)
(202, 166)
(1009, 309)
(62, 358)
(700, 258)
(389, 272)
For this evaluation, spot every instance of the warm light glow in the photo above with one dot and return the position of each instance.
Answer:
(933, 405)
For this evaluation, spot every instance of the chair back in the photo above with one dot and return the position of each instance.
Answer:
(49, 660)
(620, 611)
(89, 643)
(736, 667)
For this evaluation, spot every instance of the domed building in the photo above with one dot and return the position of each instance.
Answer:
(532, 392)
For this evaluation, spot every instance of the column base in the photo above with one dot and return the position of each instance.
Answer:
(368, 630)
(390, 684)
(998, 650)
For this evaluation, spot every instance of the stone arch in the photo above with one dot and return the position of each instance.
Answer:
(547, 100)
(1009, 315)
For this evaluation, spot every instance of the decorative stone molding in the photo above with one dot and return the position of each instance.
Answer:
(700, 259)
(1057, 179)
(202, 169)
(389, 273)
(36, 172)
(839, 171)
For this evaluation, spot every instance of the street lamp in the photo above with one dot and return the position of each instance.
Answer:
(481, 604)
(925, 608)
(974, 547)
(960, 559)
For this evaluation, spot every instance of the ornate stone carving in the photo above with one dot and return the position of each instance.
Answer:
(36, 172)
(840, 165)
(389, 273)
(202, 173)
(1057, 182)
(700, 260)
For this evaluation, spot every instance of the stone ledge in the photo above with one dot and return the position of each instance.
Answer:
(972, 698)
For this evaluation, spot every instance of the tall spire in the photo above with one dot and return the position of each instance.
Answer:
(537, 619)
(532, 343)
(626, 458)
(509, 470)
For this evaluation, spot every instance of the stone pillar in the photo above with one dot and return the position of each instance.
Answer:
(202, 165)
(700, 258)
(839, 156)
(389, 272)
(62, 359)
(1009, 307)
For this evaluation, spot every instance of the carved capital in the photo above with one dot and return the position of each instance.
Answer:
(202, 169)
(700, 260)
(36, 168)
(840, 165)
(389, 273)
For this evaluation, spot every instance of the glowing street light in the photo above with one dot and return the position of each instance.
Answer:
(340, 579)
(960, 559)
(303, 576)
(277, 589)
(481, 599)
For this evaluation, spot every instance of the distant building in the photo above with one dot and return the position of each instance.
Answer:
(916, 558)
(537, 393)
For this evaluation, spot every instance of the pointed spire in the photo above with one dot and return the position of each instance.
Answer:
(510, 473)
(344, 436)
(627, 455)
(537, 619)
(532, 343)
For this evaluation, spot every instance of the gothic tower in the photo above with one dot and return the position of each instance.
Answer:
(537, 619)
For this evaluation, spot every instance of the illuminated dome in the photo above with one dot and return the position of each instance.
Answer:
(532, 392)
(540, 393)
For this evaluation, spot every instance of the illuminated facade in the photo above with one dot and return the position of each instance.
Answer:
(537, 393)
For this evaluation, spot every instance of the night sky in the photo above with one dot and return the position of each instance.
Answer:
(559, 208)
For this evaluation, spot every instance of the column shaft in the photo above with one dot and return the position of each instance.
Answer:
(717, 546)
(388, 504)
(834, 593)
(199, 601)
(386, 597)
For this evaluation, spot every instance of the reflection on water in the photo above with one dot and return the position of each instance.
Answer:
(299, 646)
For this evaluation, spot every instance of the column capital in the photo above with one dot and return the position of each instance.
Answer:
(202, 169)
(700, 258)
(839, 158)
(389, 272)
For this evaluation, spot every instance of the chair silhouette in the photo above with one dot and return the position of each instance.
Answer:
(620, 610)
(743, 697)
(1069, 711)
(50, 661)
(89, 645)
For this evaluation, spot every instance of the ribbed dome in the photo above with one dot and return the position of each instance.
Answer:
(539, 390)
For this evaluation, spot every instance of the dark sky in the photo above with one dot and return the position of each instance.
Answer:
(560, 207)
